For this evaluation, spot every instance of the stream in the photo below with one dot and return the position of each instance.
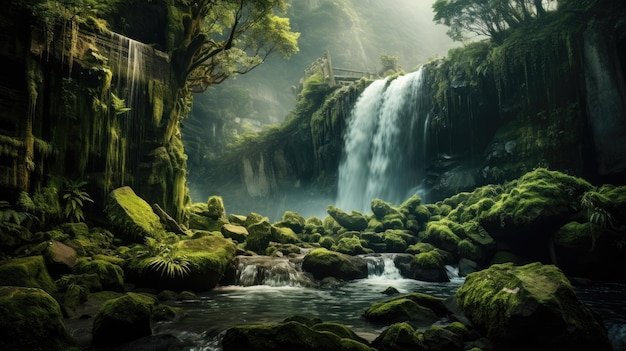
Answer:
(271, 293)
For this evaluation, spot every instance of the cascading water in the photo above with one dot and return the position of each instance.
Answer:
(384, 143)
(271, 271)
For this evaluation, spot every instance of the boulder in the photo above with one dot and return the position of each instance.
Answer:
(131, 216)
(260, 235)
(418, 308)
(122, 320)
(351, 221)
(215, 207)
(286, 336)
(428, 266)
(29, 272)
(236, 232)
(60, 256)
(399, 336)
(111, 275)
(382, 209)
(324, 263)
(206, 259)
(351, 246)
(31, 320)
(529, 307)
(292, 220)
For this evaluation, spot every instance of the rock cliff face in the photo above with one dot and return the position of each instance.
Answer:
(95, 106)
(549, 96)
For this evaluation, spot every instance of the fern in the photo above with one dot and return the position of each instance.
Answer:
(160, 254)
(74, 198)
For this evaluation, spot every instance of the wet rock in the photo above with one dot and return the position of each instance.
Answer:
(27, 272)
(324, 263)
(529, 307)
(351, 221)
(122, 320)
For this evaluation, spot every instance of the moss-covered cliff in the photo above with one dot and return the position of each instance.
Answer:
(95, 106)
(497, 110)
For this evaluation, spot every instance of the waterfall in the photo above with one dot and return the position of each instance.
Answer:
(382, 266)
(384, 143)
(271, 271)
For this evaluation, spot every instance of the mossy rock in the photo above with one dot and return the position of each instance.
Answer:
(382, 209)
(122, 320)
(541, 201)
(314, 225)
(419, 248)
(286, 336)
(427, 266)
(331, 227)
(322, 263)
(283, 235)
(395, 241)
(260, 235)
(393, 221)
(417, 308)
(29, 272)
(441, 235)
(327, 242)
(75, 229)
(469, 250)
(32, 320)
(410, 205)
(131, 216)
(351, 221)
(374, 225)
(207, 257)
(508, 303)
(215, 208)
(237, 219)
(351, 246)
(111, 275)
(285, 249)
(252, 218)
(340, 330)
(236, 232)
(292, 220)
(399, 336)
(440, 338)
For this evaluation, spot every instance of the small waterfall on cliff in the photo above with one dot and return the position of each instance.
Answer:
(384, 147)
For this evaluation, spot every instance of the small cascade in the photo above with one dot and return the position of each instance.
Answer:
(271, 271)
(384, 143)
(382, 266)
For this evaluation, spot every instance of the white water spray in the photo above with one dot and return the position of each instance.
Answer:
(383, 143)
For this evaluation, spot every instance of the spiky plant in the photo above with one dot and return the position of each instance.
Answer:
(74, 198)
(597, 214)
(161, 255)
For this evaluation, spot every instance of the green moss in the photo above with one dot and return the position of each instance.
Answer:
(324, 263)
(340, 330)
(260, 235)
(215, 207)
(326, 242)
(111, 275)
(210, 253)
(495, 298)
(27, 272)
(123, 319)
(574, 235)
(351, 246)
(351, 221)
(537, 194)
(314, 225)
(419, 248)
(294, 221)
(284, 235)
(414, 306)
(399, 336)
(131, 215)
(429, 259)
(468, 250)
(31, 318)
(442, 236)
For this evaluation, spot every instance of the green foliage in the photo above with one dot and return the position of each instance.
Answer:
(162, 255)
(486, 18)
(74, 197)
(224, 38)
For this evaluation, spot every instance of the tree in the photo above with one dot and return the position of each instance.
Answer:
(486, 17)
(226, 37)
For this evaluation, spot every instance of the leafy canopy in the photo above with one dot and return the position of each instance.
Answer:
(228, 37)
(487, 17)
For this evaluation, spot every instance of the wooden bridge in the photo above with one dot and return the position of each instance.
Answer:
(333, 76)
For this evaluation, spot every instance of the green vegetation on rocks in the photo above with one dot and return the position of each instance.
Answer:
(29, 272)
(507, 303)
(324, 263)
(123, 319)
(131, 216)
(32, 320)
